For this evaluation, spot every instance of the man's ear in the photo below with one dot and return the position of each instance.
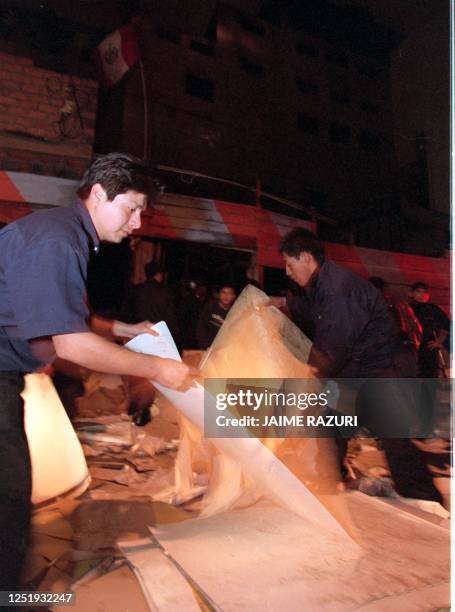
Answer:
(98, 194)
(305, 257)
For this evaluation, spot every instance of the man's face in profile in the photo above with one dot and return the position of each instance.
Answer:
(301, 268)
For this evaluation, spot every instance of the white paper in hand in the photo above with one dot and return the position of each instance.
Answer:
(160, 346)
(189, 402)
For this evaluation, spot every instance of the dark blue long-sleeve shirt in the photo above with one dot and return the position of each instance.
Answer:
(43, 269)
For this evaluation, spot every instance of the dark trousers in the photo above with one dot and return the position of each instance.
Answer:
(15, 482)
(394, 413)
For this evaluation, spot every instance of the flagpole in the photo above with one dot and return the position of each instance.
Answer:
(145, 99)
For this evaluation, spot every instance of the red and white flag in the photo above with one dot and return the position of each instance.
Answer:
(117, 53)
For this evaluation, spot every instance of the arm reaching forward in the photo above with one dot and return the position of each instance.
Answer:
(94, 352)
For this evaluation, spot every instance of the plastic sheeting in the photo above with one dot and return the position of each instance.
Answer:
(58, 463)
(257, 341)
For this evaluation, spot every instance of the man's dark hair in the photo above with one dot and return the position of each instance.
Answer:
(118, 173)
(227, 286)
(301, 240)
(419, 285)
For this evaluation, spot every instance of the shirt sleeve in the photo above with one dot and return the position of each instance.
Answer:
(46, 283)
(338, 326)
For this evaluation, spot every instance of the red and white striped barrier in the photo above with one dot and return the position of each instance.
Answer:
(179, 217)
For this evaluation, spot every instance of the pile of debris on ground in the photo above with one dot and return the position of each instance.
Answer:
(271, 541)
(101, 547)
(74, 542)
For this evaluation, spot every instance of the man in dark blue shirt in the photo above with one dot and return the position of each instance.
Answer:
(355, 336)
(44, 313)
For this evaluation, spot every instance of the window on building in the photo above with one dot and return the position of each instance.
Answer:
(337, 57)
(308, 124)
(339, 132)
(307, 49)
(167, 34)
(199, 88)
(369, 141)
(203, 48)
(250, 66)
(370, 108)
(250, 25)
(306, 87)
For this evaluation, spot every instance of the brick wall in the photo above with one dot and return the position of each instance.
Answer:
(47, 119)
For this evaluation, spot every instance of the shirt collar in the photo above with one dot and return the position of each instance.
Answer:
(87, 224)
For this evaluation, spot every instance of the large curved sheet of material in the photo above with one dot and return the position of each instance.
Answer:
(254, 342)
(257, 341)
(58, 462)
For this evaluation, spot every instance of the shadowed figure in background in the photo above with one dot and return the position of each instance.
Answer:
(151, 300)
(410, 327)
(435, 332)
(194, 295)
(213, 315)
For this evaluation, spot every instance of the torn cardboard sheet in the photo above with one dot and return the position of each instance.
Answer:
(99, 524)
(120, 452)
(120, 433)
(116, 591)
(105, 394)
(164, 586)
(157, 485)
(281, 346)
(270, 559)
(125, 476)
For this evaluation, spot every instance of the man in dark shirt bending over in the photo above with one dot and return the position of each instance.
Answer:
(355, 336)
(44, 313)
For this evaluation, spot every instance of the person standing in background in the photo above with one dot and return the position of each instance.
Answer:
(435, 331)
(153, 301)
(213, 315)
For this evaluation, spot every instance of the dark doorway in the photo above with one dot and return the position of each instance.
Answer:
(215, 265)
